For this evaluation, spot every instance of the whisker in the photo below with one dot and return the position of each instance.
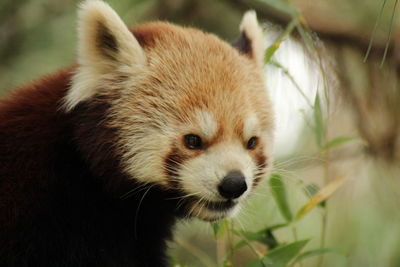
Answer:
(182, 201)
(195, 206)
(185, 196)
(134, 191)
(138, 208)
(201, 208)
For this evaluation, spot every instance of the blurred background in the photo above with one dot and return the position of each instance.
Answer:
(332, 70)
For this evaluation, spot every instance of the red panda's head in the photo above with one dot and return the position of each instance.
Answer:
(191, 111)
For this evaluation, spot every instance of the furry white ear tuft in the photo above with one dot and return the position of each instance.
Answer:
(251, 39)
(106, 46)
(103, 36)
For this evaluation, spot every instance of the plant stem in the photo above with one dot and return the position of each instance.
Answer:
(293, 80)
(390, 34)
(231, 254)
(199, 254)
(325, 156)
(324, 153)
(221, 250)
(371, 40)
(294, 231)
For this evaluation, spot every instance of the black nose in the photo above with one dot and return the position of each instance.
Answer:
(233, 185)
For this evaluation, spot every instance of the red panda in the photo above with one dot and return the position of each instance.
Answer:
(153, 124)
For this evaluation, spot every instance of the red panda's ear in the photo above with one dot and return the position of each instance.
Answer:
(106, 46)
(251, 41)
(104, 40)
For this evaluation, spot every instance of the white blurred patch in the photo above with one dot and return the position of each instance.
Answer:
(290, 105)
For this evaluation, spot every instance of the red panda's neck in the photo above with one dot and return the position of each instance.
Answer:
(32, 130)
(31, 119)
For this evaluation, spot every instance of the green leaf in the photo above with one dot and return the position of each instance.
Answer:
(271, 51)
(314, 252)
(280, 256)
(279, 193)
(252, 236)
(239, 244)
(270, 239)
(339, 141)
(311, 190)
(318, 123)
(319, 197)
(220, 228)
(264, 236)
(307, 39)
(227, 263)
(282, 6)
(275, 226)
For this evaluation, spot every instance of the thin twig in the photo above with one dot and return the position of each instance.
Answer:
(371, 40)
(390, 34)
(292, 79)
(199, 254)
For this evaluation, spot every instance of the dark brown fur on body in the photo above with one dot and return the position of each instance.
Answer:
(55, 210)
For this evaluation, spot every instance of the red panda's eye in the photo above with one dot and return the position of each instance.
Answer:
(252, 142)
(193, 141)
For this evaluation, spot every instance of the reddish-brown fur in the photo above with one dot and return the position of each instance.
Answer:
(28, 143)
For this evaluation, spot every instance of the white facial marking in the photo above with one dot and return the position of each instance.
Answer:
(203, 174)
(207, 123)
(250, 127)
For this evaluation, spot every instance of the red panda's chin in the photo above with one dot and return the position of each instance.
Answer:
(212, 211)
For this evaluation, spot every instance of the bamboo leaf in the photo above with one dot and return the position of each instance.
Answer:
(280, 256)
(339, 141)
(220, 228)
(321, 196)
(288, 30)
(282, 6)
(306, 37)
(314, 252)
(278, 191)
(270, 240)
(227, 263)
(264, 236)
(311, 190)
(275, 226)
(271, 51)
(318, 123)
(239, 244)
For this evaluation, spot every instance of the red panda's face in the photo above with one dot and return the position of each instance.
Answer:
(191, 112)
(214, 159)
(217, 163)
